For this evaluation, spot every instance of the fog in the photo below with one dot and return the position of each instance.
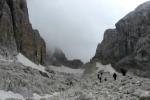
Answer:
(77, 26)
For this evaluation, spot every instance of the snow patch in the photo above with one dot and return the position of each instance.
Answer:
(142, 93)
(25, 61)
(7, 95)
(105, 68)
(66, 70)
(145, 93)
(4, 95)
(46, 96)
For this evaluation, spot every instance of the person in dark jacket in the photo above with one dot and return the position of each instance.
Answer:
(99, 77)
(101, 73)
(123, 71)
(115, 76)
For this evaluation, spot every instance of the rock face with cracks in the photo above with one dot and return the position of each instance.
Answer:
(17, 34)
(128, 46)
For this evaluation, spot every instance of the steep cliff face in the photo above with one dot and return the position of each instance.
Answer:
(7, 41)
(17, 30)
(106, 51)
(128, 46)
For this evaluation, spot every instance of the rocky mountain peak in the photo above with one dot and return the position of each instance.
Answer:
(128, 45)
(144, 6)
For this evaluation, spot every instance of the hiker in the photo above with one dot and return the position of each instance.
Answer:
(71, 83)
(105, 79)
(115, 76)
(123, 71)
(99, 76)
(101, 73)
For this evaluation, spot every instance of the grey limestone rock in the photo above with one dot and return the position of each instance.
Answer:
(16, 32)
(128, 46)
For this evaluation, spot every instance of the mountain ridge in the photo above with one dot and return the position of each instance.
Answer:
(128, 45)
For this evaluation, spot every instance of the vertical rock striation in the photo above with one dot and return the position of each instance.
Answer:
(7, 40)
(128, 46)
(17, 33)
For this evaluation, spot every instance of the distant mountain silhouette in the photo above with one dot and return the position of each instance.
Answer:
(58, 58)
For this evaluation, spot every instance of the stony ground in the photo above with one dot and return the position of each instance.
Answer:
(26, 81)
(61, 86)
(124, 88)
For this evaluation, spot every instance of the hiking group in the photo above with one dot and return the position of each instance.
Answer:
(100, 75)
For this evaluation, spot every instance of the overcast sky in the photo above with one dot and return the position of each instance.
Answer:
(77, 26)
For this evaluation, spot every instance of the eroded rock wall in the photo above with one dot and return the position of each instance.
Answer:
(128, 46)
(16, 32)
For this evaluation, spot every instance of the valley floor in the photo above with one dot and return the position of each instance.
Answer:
(124, 88)
(32, 83)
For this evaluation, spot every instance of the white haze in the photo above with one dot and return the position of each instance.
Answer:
(77, 26)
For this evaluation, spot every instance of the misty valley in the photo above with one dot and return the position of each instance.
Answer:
(32, 68)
